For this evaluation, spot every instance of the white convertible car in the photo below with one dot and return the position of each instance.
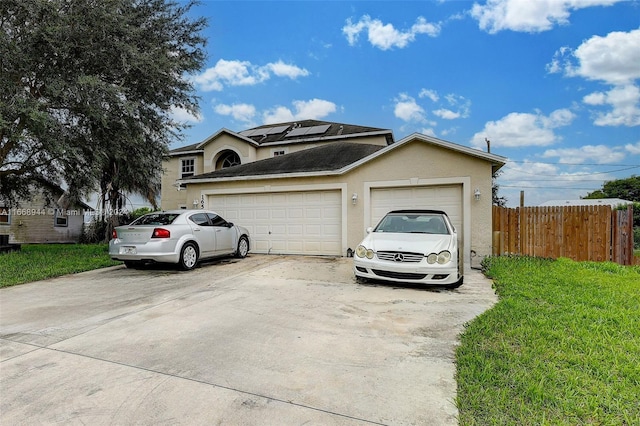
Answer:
(177, 236)
(411, 246)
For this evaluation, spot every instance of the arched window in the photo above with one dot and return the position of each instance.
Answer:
(227, 159)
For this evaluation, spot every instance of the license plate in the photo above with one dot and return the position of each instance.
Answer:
(128, 250)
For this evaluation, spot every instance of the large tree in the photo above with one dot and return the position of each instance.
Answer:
(626, 189)
(87, 88)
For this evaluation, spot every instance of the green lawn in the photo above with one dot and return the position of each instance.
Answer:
(40, 261)
(561, 347)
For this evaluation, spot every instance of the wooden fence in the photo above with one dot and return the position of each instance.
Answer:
(597, 233)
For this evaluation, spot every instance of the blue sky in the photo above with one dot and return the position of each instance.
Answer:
(553, 84)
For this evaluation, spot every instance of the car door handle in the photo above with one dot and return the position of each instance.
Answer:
(196, 229)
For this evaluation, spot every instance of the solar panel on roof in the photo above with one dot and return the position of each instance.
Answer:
(298, 132)
(275, 130)
(264, 131)
(313, 130)
(248, 133)
(318, 129)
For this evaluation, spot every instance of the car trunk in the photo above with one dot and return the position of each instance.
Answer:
(135, 234)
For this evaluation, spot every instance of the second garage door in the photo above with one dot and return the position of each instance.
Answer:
(446, 197)
(304, 222)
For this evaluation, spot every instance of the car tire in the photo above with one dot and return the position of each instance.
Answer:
(455, 285)
(188, 256)
(243, 247)
(131, 264)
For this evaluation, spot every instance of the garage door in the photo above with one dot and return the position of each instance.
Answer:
(286, 222)
(446, 197)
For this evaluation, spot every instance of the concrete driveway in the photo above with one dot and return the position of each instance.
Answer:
(267, 340)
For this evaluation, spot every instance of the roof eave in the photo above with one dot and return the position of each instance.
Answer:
(261, 177)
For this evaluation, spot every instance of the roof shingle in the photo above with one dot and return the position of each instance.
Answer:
(333, 156)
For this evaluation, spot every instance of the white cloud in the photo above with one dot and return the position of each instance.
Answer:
(431, 94)
(528, 15)
(429, 132)
(463, 105)
(624, 102)
(303, 110)
(407, 109)
(243, 73)
(240, 112)
(523, 129)
(446, 114)
(181, 115)
(600, 154)
(543, 182)
(633, 149)
(612, 59)
(286, 70)
(385, 36)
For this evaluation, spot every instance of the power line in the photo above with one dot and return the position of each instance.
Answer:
(547, 188)
(561, 163)
(577, 174)
(548, 180)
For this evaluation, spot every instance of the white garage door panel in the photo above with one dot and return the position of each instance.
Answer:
(447, 198)
(286, 223)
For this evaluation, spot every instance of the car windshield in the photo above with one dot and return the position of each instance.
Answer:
(156, 219)
(420, 223)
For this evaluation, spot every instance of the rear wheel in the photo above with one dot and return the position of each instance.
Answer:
(131, 264)
(243, 247)
(188, 256)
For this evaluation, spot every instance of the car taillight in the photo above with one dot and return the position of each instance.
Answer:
(161, 233)
(114, 234)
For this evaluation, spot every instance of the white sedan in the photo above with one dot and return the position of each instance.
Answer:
(411, 246)
(177, 236)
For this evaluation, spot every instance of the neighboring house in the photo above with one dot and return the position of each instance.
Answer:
(40, 221)
(314, 187)
(613, 202)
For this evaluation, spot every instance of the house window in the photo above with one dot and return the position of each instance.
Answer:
(278, 152)
(5, 215)
(228, 159)
(187, 167)
(60, 218)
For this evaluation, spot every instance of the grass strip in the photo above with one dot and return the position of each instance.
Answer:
(41, 261)
(561, 347)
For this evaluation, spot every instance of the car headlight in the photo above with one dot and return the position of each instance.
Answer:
(441, 258)
(362, 251)
(444, 257)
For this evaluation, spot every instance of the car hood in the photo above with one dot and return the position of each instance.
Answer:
(414, 243)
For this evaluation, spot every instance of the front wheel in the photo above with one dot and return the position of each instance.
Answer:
(455, 285)
(188, 256)
(243, 247)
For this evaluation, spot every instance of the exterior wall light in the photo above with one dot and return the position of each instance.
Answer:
(354, 198)
(195, 204)
(476, 194)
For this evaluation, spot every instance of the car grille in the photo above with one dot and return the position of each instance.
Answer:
(399, 275)
(399, 256)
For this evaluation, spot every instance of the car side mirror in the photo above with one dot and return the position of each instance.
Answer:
(229, 224)
(369, 230)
